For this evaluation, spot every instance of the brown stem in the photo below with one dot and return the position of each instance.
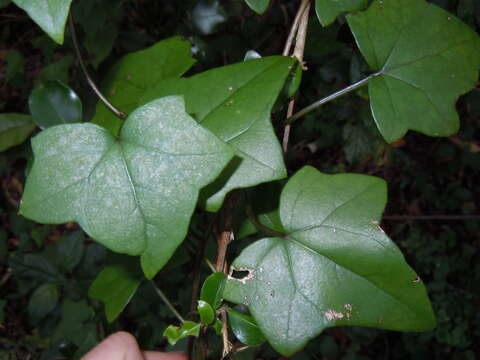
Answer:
(224, 235)
(300, 38)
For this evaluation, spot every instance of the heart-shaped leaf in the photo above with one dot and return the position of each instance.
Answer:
(14, 129)
(50, 15)
(54, 103)
(335, 266)
(234, 102)
(425, 58)
(133, 74)
(135, 193)
(259, 6)
(328, 10)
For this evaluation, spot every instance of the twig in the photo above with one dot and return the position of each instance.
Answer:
(431, 217)
(300, 38)
(167, 302)
(293, 29)
(90, 81)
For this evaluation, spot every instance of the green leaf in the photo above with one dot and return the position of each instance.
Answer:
(234, 102)
(175, 333)
(206, 312)
(212, 289)
(115, 286)
(50, 15)
(328, 10)
(135, 193)
(425, 58)
(70, 250)
(259, 6)
(245, 328)
(15, 65)
(335, 266)
(14, 129)
(73, 325)
(43, 300)
(54, 103)
(132, 75)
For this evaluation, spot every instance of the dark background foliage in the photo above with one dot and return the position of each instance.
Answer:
(45, 271)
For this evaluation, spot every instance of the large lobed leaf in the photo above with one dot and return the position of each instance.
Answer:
(425, 58)
(234, 102)
(50, 15)
(335, 265)
(135, 193)
(133, 74)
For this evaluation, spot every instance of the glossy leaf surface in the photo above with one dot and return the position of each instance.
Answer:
(212, 289)
(50, 15)
(132, 75)
(115, 286)
(245, 328)
(334, 267)
(259, 6)
(134, 194)
(54, 103)
(206, 312)
(425, 58)
(14, 129)
(328, 10)
(234, 102)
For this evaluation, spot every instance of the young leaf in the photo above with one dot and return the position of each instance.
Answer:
(135, 193)
(115, 286)
(425, 58)
(259, 6)
(206, 312)
(175, 333)
(133, 74)
(234, 102)
(328, 10)
(245, 328)
(50, 15)
(335, 266)
(14, 129)
(212, 289)
(54, 103)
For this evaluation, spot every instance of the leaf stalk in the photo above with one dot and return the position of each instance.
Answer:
(317, 104)
(167, 302)
(90, 81)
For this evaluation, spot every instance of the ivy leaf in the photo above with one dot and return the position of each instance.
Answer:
(245, 328)
(54, 103)
(14, 129)
(132, 75)
(259, 6)
(135, 193)
(425, 58)
(335, 266)
(328, 10)
(115, 285)
(234, 102)
(50, 15)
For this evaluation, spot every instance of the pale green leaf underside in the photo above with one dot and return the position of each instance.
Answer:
(133, 74)
(234, 102)
(328, 10)
(335, 266)
(259, 6)
(14, 129)
(50, 15)
(134, 195)
(425, 59)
